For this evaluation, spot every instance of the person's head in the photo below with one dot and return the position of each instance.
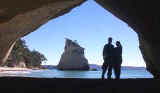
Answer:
(118, 43)
(110, 40)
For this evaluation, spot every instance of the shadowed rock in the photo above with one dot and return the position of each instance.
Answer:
(77, 85)
(143, 17)
(73, 57)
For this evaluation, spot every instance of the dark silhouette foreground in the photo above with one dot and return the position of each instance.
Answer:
(117, 59)
(112, 57)
(108, 52)
(76, 85)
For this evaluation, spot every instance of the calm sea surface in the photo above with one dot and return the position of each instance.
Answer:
(125, 73)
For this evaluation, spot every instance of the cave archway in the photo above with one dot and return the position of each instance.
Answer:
(135, 13)
(83, 22)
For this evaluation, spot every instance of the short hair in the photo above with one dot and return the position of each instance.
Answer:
(118, 42)
(110, 38)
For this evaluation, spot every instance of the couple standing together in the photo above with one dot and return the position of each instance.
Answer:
(112, 57)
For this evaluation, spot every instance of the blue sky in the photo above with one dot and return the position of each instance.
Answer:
(90, 25)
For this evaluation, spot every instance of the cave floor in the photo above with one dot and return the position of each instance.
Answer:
(77, 85)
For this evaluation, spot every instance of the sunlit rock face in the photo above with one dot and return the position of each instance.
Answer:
(73, 57)
(143, 17)
(21, 17)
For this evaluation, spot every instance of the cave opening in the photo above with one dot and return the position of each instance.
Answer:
(82, 22)
(90, 25)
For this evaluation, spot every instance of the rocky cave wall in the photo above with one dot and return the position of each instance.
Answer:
(20, 17)
(143, 17)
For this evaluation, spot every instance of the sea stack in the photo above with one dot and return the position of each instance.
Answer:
(73, 57)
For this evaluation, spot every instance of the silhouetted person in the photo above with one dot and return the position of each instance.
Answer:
(108, 58)
(117, 59)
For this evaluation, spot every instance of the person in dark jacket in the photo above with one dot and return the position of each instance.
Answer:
(108, 58)
(117, 59)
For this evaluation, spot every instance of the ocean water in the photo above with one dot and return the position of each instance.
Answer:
(125, 73)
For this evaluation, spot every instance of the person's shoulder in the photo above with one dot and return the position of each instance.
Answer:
(106, 45)
(120, 46)
(112, 45)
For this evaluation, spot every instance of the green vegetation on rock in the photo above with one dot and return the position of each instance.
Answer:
(22, 56)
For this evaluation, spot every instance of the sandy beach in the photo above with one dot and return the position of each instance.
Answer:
(2, 69)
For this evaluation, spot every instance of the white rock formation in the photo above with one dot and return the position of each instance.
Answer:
(73, 57)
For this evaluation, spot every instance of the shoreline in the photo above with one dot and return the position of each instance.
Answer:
(2, 69)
